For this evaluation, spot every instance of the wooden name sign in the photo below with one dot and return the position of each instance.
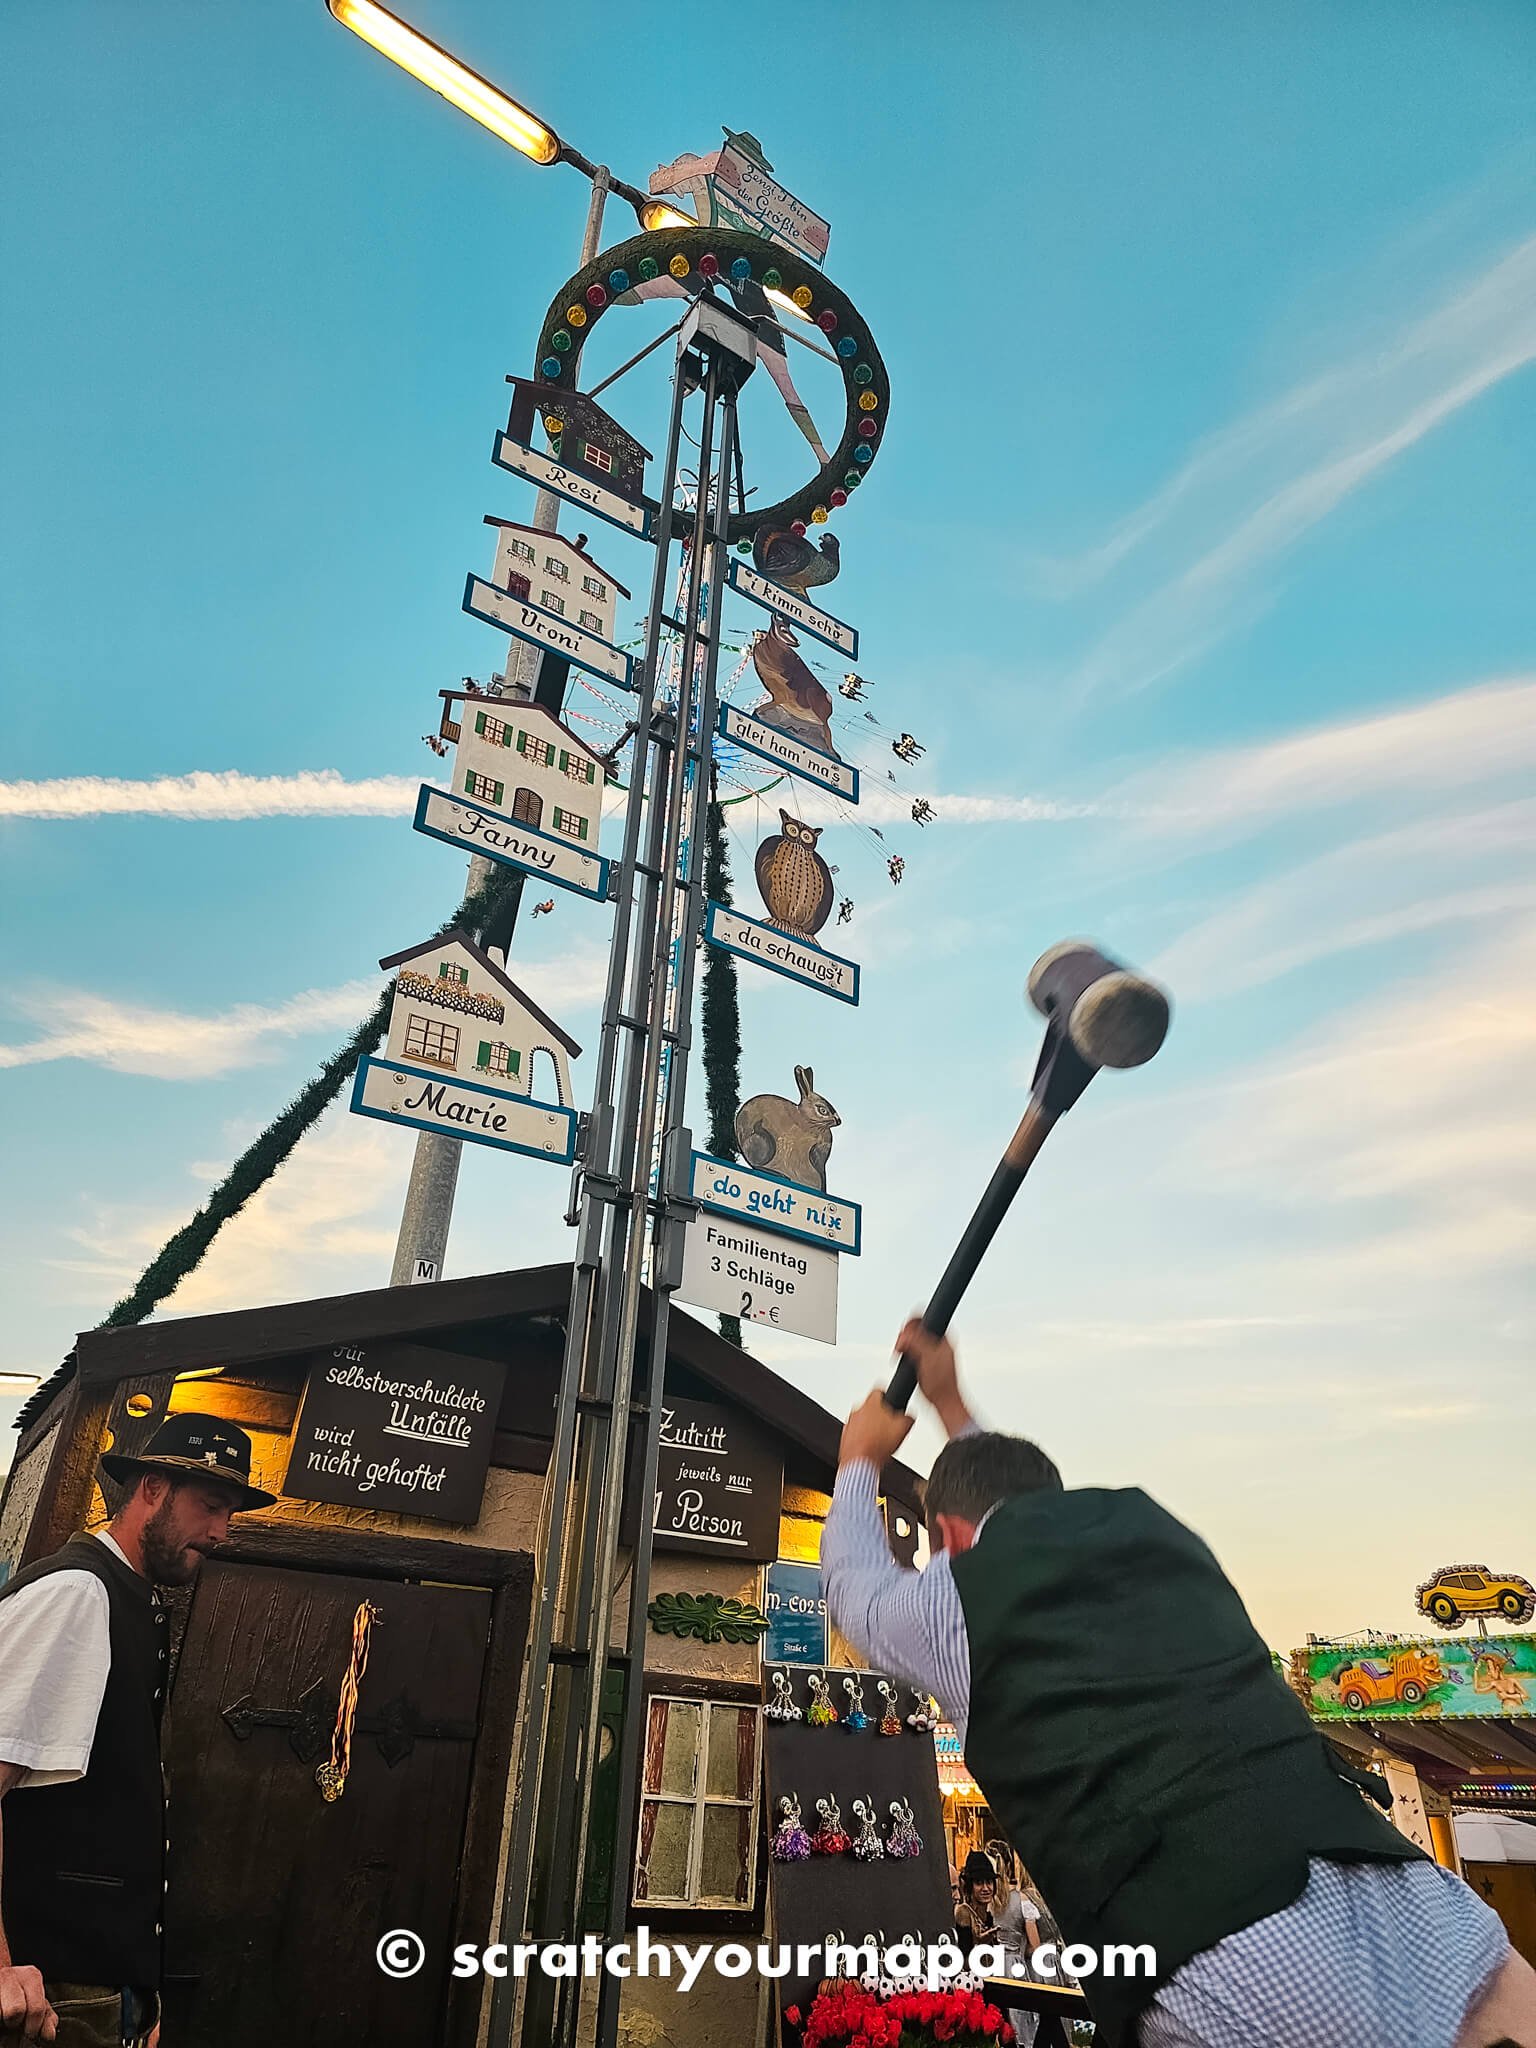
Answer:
(396, 1426)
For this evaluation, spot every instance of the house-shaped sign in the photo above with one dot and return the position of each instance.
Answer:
(549, 591)
(592, 460)
(524, 790)
(461, 1051)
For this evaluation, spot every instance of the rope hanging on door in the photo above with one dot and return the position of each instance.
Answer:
(331, 1776)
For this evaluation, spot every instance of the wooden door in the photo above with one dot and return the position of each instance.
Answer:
(277, 1899)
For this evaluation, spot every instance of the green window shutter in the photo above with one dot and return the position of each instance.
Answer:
(522, 742)
(498, 791)
(480, 721)
(506, 735)
(565, 760)
(485, 1053)
(581, 828)
(469, 783)
(514, 1062)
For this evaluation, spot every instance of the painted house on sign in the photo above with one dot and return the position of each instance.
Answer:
(581, 435)
(456, 1013)
(516, 757)
(558, 574)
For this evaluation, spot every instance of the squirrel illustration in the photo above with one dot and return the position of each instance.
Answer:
(792, 1140)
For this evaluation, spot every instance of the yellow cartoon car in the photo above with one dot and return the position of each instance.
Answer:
(1403, 1680)
(1463, 1589)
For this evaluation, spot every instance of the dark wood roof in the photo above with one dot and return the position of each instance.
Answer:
(574, 403)
(262, 1337)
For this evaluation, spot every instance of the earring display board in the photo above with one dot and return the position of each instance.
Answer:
(842, 1895)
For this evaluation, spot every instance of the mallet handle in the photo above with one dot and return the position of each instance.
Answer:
(1033, 1130)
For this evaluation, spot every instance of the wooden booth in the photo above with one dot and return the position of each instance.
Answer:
(407, 1431)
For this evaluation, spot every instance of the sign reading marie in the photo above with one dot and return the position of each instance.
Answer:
(719, 1486)
(780, 1205)
(800, 959)
(530, 622)
(550, 475)
(396, 1426)
(793, 755)
(463, 1109)
(458, 822)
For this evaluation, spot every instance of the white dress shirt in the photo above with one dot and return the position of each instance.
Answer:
(55, 1653)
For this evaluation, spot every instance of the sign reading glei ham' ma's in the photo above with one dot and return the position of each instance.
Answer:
(396, 1426)
(719, 1486)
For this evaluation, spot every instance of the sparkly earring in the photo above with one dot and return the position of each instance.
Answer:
(867, 1845)
(925, 1715)
(791, 1844)
(904, 1838)
(829, 1839)
(820, 1713)
(782, 1706)
(855, 1718)
(890, 1720)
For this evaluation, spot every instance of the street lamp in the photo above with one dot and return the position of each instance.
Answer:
(19, 1382)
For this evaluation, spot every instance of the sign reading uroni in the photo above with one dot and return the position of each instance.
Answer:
(396, 1426)
(718, 1486)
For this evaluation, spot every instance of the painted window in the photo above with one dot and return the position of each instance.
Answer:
(528, 808)
(571, 823)
(498, 1059)
(429, 1038)
(523, 550)
(551, 602)
(598, 457)
(698, 1809)
(553, 566)
(539, 752)
(594, 586)
(450, 970)
(591, 621)
(484, 789)
(576, 768)
(494, 731)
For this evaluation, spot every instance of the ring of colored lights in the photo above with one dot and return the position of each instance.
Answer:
(679, 252)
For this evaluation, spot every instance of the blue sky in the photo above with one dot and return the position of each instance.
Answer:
(1197, 554)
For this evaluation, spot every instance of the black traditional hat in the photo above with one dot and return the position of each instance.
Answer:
(978, 1868)
(195, 1443)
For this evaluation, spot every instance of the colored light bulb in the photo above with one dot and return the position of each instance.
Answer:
(679, 266)
(867, 401)
(709, 266)
(552, 426)
(772, 279)
(549, 369)
(863, 374)
(802, 296)
(868, 429)
(648, 268)
(826, 320)
(838, 497)
(847, 347)
(618, 281)
(597, 295)
(743, 547)
(819, 516)
(577, 315)
(798, 527)
(741, 269)
(560, 339)
(854, 477)
(863, 453)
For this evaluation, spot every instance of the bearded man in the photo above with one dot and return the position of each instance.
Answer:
(83, 1669)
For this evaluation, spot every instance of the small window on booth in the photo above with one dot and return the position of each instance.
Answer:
(698, 1808)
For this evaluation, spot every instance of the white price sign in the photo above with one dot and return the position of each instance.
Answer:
(742, 1271)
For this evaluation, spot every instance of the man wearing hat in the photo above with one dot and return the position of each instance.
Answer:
(83, 1666)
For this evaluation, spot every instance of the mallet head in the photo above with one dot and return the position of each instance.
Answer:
(1099, 1015)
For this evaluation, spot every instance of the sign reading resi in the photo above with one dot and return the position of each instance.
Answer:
(550, 475)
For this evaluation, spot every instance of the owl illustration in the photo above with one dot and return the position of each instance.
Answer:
(795, 881)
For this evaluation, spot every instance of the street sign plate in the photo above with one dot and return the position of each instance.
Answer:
(792, 755)
(401, 1094)
(778, 1205)
(540, 628)
(550, 475)
(471, 827)
(800, 959)
(746, 582)
(742, 1270)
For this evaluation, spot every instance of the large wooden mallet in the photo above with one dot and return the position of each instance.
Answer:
(1097, 1015)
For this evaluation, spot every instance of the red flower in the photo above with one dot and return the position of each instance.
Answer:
(792, 2014)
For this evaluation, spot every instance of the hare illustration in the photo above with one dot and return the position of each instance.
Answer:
(792, 1140)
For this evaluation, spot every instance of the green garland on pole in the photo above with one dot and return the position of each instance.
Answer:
(722, 1020)
(179, 1254)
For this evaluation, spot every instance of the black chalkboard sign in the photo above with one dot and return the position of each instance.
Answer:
(719, 1484)
(396, 1426)
(838, 1894)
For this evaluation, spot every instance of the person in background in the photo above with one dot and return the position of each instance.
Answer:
(83, 1670)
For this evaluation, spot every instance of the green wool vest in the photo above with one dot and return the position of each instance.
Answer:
(1158, 1777)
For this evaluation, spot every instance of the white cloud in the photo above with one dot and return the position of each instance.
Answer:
(133, 1038)
(1253, 491)
(212, 794)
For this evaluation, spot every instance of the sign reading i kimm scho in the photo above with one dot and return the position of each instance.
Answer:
(747, 582)
(800, 959)
(793, 755)
(540, 628)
